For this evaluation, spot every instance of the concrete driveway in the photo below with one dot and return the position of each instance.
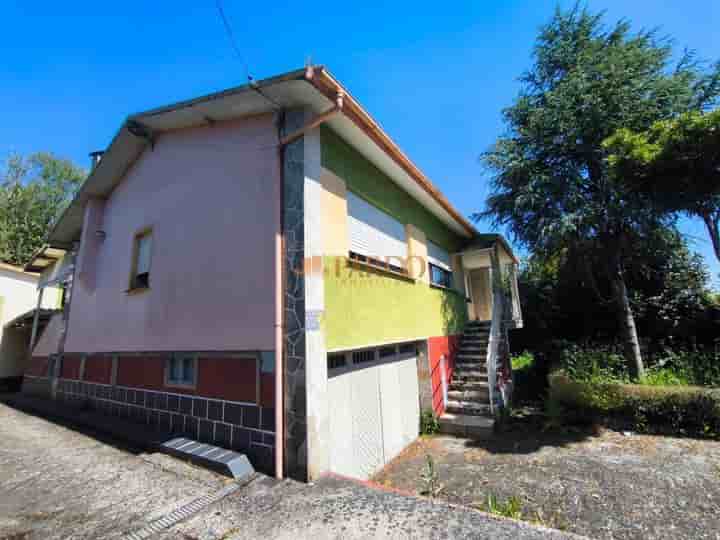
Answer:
(58, 483)
(606, 485)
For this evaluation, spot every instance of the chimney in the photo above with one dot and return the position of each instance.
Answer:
(95, 159)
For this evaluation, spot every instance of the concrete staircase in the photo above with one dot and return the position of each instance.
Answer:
(468, 408)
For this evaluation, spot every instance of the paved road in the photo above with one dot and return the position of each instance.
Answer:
(58, 483)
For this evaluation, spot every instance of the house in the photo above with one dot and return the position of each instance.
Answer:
(264, 269)
(19, 306)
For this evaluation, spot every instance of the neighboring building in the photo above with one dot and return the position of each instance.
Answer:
(18, 303)
(263, 268)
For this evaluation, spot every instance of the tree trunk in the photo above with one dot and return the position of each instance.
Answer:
(713, 228)
(631, 344)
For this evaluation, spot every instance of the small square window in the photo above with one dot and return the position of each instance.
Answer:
(180, 370)
(440, 276)
(140, 273)
(336, 361)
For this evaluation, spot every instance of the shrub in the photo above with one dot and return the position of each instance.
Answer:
(683, 410)
(665, 377)
(523, 361)
(529, 377)
(429, 424)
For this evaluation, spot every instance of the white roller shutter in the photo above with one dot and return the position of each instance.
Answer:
(438, 256)
(372, 232)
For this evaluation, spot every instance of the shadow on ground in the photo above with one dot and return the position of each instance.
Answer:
(62, 416)
(527, 430)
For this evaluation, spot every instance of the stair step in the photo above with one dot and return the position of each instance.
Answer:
(470, 408)
(472, 350)
(480, 394)
(474, 375)
(468, 385)
(478, 323)
(475, 356)
(467, 426)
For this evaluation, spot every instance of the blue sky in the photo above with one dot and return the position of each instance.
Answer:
(435, 75)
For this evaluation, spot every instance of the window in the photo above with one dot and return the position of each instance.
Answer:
(360, 357)
(439, 266)
(440, 276)
(336, 361)
(374, 236)
(407, 348)
(386, 351)
(142, 247)
(180, 370)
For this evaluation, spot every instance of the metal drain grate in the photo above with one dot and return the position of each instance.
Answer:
(184, 512)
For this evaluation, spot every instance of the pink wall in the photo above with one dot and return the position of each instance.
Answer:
(210, 195)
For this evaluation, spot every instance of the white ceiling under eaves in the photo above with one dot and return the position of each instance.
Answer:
(125, 148)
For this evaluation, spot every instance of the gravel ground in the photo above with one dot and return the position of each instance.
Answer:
(58, 483)
(609, 485)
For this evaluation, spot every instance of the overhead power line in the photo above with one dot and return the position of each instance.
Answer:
(231, 38)
(241, 57)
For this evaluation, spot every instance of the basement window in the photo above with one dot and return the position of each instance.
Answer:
(181, 370)
(387, 351)
(140, 273)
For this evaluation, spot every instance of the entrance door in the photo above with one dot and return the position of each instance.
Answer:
(481, 293)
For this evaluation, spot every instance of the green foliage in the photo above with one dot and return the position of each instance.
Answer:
(510, 508)
(680, 410)
(33, 193)
(430, 485)
(429, 424)
(603, 365)
(671, 299)
(676, 162)
(551, 184)
(665, 377)
(523, 361)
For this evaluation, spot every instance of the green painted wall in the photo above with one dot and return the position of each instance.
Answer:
(365, 307)
(367, 181)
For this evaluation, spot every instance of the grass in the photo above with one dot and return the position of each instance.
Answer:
(512, 508)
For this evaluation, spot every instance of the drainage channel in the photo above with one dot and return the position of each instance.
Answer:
(186, 511)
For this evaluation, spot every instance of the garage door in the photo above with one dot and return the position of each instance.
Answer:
(374, 407)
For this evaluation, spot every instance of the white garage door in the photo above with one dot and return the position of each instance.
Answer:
(374, 407)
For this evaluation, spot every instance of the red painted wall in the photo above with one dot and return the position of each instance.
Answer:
(267, 389)
(98, 369)
(71, 367)
(437, 347)
(234, 379)
(230, 378)
(141, 372)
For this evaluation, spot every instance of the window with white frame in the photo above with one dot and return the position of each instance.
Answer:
(375, 237)
(181, 370)
(439, 266)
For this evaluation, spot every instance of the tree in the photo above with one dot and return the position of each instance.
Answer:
(676, 163)
(551, 186)
(670, 298)
(33, 193)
